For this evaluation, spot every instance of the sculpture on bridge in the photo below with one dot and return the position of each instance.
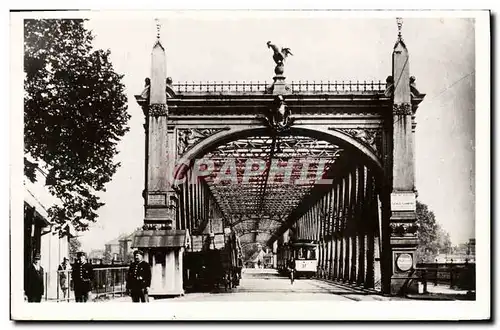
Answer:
(279, 115)
(279, 56)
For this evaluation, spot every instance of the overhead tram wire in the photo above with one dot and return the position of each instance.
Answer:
(435, 97)
(450, 86)
(440, 93)
(268, 170)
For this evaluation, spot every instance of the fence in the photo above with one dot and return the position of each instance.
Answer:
(296, 87)
(108, 282)
(457, 276)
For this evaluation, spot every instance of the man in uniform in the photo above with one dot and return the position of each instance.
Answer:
(33, 281)
(139, 278)
(83, 275)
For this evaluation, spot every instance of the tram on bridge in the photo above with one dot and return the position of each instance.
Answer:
(305, 254)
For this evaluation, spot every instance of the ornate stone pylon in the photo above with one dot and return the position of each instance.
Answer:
(162, 243)
(403, 243)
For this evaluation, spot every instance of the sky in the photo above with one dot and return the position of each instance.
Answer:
(232, 47)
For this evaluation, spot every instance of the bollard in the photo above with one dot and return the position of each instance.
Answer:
(452, 277)
(425, 280)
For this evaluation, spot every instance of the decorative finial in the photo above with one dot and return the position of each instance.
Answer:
(399, 21)
(158, 27)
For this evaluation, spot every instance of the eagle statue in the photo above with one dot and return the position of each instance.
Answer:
(279, 56)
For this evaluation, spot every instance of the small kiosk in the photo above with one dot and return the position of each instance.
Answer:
(164, 251)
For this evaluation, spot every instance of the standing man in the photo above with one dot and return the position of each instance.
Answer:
(139, 278)
(63, 270)
(33, 280)
(83, 275)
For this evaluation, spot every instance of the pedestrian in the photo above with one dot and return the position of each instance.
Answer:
(291, 269)
(240, 268)
(33, 280)
(83, 276)
(64, 270)
(139, 278)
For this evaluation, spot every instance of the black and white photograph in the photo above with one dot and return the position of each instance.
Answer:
(250, 165)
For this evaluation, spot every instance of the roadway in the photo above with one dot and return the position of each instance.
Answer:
(267, 285)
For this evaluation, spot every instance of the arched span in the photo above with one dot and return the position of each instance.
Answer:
(244, 245)
(333, 136)
(234, 223)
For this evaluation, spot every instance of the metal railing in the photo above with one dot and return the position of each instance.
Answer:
(338, 86)
(108, 282)
(457, 276)
(296, 87)
(220, 87)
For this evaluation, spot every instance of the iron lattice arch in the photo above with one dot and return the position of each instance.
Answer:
(264, 178)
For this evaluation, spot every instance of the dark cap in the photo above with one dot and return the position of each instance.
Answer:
(138, 252)
(79, 254)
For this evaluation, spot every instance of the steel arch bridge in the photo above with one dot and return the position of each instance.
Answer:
(328, 161)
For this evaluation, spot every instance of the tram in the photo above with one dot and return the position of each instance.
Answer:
(303, 252)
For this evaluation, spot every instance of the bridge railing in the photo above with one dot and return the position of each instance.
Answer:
(250, 87)
(220, 87)
(337, 86)
(108, 282)
(459, 276)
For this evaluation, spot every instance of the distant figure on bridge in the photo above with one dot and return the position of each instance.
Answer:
(240, 267)
(291, 269)
(83, 275)
(139, 278)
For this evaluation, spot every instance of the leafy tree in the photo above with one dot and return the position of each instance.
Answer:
(433, 239)
(129, 258)
(462, 248)
(445, 241)
(74, 246)
(107, 258)
(74, 115)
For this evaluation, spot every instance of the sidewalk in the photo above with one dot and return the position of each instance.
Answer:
(371, 294)
(443, 292)
(438, 292)
(124, 299)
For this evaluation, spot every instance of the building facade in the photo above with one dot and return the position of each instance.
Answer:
(119, 249)
(40, 236)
